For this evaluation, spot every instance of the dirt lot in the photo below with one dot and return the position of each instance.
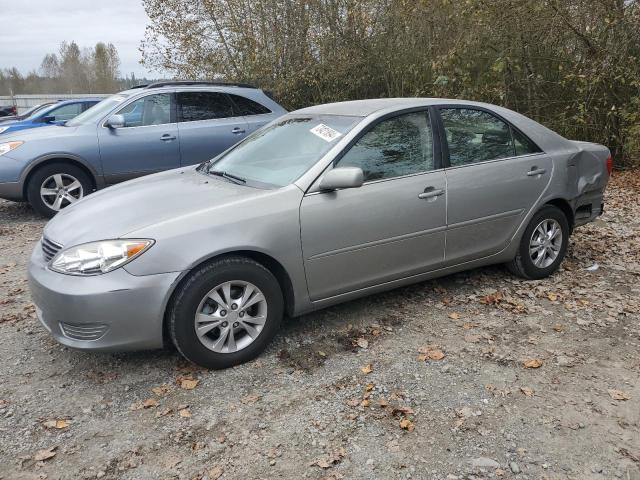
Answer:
(476, 375)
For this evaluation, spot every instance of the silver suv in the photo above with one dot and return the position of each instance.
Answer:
(144, 130)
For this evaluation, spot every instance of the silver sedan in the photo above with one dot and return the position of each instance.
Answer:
(323, 205)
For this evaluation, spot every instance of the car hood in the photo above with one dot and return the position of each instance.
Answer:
(50, 131)
(120, 210)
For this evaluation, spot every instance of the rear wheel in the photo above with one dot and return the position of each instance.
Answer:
(543, 245)
(226, 312)
(56, 186)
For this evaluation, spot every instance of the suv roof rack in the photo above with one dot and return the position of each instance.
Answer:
(141, 85)
(198, 82)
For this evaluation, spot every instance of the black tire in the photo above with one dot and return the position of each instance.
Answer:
(190, 293)
(522, 265)
(42, 173)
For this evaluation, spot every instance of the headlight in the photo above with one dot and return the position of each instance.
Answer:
(8, 146)
(96, 258)
(2, 129)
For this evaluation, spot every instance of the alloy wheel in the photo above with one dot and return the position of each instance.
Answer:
(231, 316)
(545, 243)
(60, 190)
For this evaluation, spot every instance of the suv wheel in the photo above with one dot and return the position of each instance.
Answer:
(543, 245)
(56, 186)
(226, 312)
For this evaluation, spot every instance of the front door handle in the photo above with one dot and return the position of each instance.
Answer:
(237, 131)
(535, 171)
(430, 192)
(167, 137)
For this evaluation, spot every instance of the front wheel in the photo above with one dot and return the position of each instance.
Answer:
(543, 245)
(226, 312)
(56, 186)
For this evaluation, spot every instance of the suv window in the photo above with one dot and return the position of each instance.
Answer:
(193, 106)
(248, 107)
(401, 145)
(65, 112)
(149, 110)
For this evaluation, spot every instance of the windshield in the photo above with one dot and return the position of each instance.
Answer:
(280, 153)
(97, 111)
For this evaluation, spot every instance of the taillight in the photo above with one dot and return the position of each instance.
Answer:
(14, 110)
(610, 164)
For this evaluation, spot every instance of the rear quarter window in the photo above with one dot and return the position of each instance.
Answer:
(246, 107)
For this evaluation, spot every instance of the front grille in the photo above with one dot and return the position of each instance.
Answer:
(86, 331)
(49, 248)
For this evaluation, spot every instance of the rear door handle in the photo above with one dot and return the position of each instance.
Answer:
(237, 131)
(430, 192)
(167, 137)
(535, 171)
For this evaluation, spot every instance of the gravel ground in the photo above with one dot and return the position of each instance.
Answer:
(476, 375)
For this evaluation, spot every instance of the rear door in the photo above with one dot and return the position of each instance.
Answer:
(255, 114)
(495, 175)
(208, 124)
(147, 143)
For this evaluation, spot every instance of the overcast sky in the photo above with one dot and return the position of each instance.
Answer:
(32, 28)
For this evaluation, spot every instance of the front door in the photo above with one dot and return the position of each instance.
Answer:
(147, 143)
(208, 125)
(391, 227)
(495, 176)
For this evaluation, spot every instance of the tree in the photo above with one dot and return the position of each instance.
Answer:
(105, 68)
(573, 65)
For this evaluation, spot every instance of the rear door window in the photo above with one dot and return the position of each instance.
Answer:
(195, 106)
(478, 136)
(246, 107)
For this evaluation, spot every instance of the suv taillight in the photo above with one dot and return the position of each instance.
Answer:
(610, 164)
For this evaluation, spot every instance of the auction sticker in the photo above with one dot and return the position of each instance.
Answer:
(325, 132)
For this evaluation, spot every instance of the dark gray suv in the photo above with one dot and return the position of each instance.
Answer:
(136, 132)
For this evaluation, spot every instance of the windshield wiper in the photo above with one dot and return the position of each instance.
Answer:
(228, 176)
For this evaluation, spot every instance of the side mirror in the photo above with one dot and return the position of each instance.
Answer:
(342, 177)
(115, 121)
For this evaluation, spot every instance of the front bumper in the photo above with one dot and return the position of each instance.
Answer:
(116, 311)
(11, 191)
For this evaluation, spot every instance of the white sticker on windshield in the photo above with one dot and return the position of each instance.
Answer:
(325, 132)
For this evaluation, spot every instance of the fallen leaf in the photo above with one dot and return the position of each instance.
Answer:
(430, 353)
(367, 369)
(161, 390)
(618, 394)
(57, 424)
(396, 411)
(364, 403)
(362, 343)
(187, 382)
(527, 391)
(45, 454)
(185, 412)
(150, 403)
(330, 460)
(215, 473)
(533, 363)
(250, 399)
(454, 316)
(407, 425)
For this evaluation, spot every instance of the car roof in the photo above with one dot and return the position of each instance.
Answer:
(363, 108)
(75, 100)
